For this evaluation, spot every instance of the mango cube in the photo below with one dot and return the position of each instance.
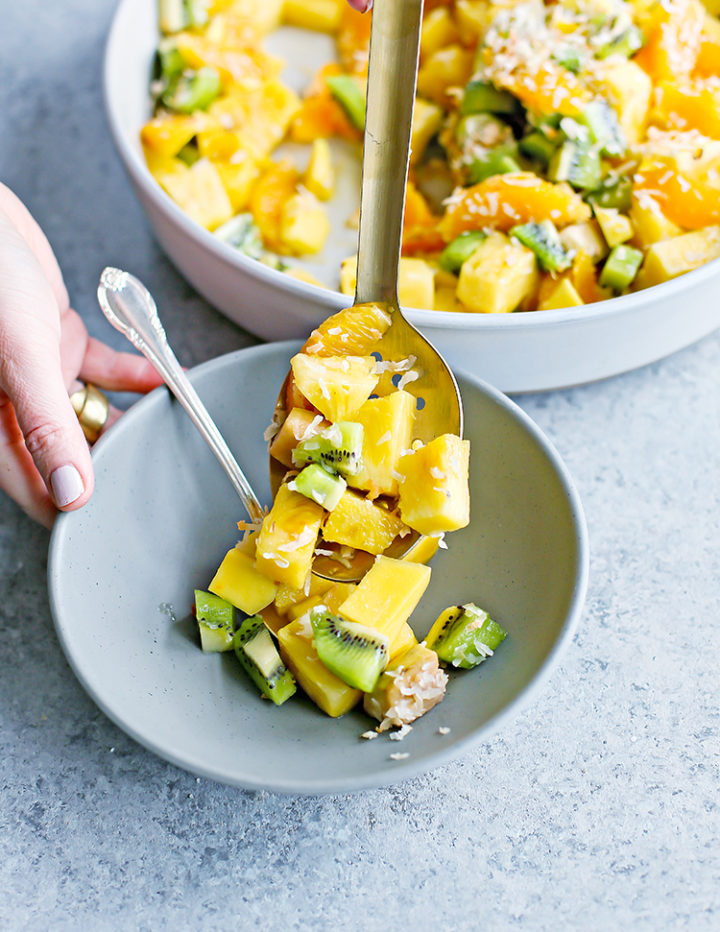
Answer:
(357, 522)
(434, 493)
(562, 295)
(239, 582)
(387, 432)
(287, 538)
(324, 688)
(673, 257)
(386, 596)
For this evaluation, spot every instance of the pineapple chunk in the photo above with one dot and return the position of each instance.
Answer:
(199, 191)
(387, 432)
(304, 224)
(336, 385)
(616, 227)
(649, 222)
(629, 90)
(427, 120)
(423, 550)
(673, 257)
(239, 582)
(386, 596)
(410, 686)
(438, 30)
(320, 15)
(287, 538)
(357, 522)
(332, 598)
(498, 276)
(238, 175)
(434, 493)
(167, 135)
(300, 424)
(446, 68)
(319, 175)
(416, 281)
(563, 294)
(403, 640)
(326, 690)
(446, 299)
(353, 330)
(287, 596)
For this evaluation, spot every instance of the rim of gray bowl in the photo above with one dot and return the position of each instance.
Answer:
(404, 769)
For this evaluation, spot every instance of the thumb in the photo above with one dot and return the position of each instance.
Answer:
(51, 430)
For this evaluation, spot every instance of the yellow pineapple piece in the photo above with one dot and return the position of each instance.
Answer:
(416, 281)
(287, 596)
(199, 191)
(649, 222)
(319, 175)
(498, 276)
(239, 582)
(387, 431)
(387, 595)
(320, 15)
(166, 135)
(423, 550)
(410, 686)
(563, 294)
(353, 330)
(300, 424)
(427, 120)
(616, 227)
(403, 640)
(304, 224)
(348, 275)
(438, 30)
(446, 299)
(287, 538)
(445, 68)
(629, 90)
(332, 598)
(336, 385)
(324, 688)
(259, 112)
(357, 522)
(238, 175)
(673, 257)
(434, 493)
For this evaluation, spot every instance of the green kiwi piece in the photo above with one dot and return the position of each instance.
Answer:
(259, 658)
(355, 653)
(464, 636)
(216, 620)
(316, 483)
(338, 448)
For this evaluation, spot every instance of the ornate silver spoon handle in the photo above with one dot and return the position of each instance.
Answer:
(130, 308)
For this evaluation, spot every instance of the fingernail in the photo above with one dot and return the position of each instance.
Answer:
(67, 485)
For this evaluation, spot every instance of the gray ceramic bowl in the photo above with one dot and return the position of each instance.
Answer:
(163, 515)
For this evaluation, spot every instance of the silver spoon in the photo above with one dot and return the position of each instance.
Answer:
(130, 308)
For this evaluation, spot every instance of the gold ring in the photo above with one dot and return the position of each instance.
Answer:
(92, 409)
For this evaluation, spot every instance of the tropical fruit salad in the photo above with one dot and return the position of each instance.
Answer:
(562, 153)
(355, 483)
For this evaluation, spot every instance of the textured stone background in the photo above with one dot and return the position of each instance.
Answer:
(598, 806)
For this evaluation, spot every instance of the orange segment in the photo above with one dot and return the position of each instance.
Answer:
(689, 202)
(505, 200)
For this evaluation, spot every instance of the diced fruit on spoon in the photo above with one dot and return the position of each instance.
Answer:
(331, 378)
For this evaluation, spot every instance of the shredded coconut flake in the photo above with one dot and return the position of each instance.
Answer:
(369, 735)
(400, 733)
(444, 730)
(399, 755)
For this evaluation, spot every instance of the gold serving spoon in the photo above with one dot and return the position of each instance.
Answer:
(392, 76)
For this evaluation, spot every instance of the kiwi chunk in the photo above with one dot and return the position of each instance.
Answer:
(464, 636)
(355, 653)
(259, 658)
(216, 620)
(316, 483)
(338, 448)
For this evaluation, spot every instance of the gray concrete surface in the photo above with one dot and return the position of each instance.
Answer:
(597, 808)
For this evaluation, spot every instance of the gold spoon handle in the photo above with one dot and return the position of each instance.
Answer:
(392, 76)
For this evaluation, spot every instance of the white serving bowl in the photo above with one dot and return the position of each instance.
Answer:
(516, 352)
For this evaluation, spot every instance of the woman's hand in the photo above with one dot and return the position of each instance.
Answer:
(44, 349)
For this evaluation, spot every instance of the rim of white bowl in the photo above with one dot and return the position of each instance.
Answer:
(333, 300)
